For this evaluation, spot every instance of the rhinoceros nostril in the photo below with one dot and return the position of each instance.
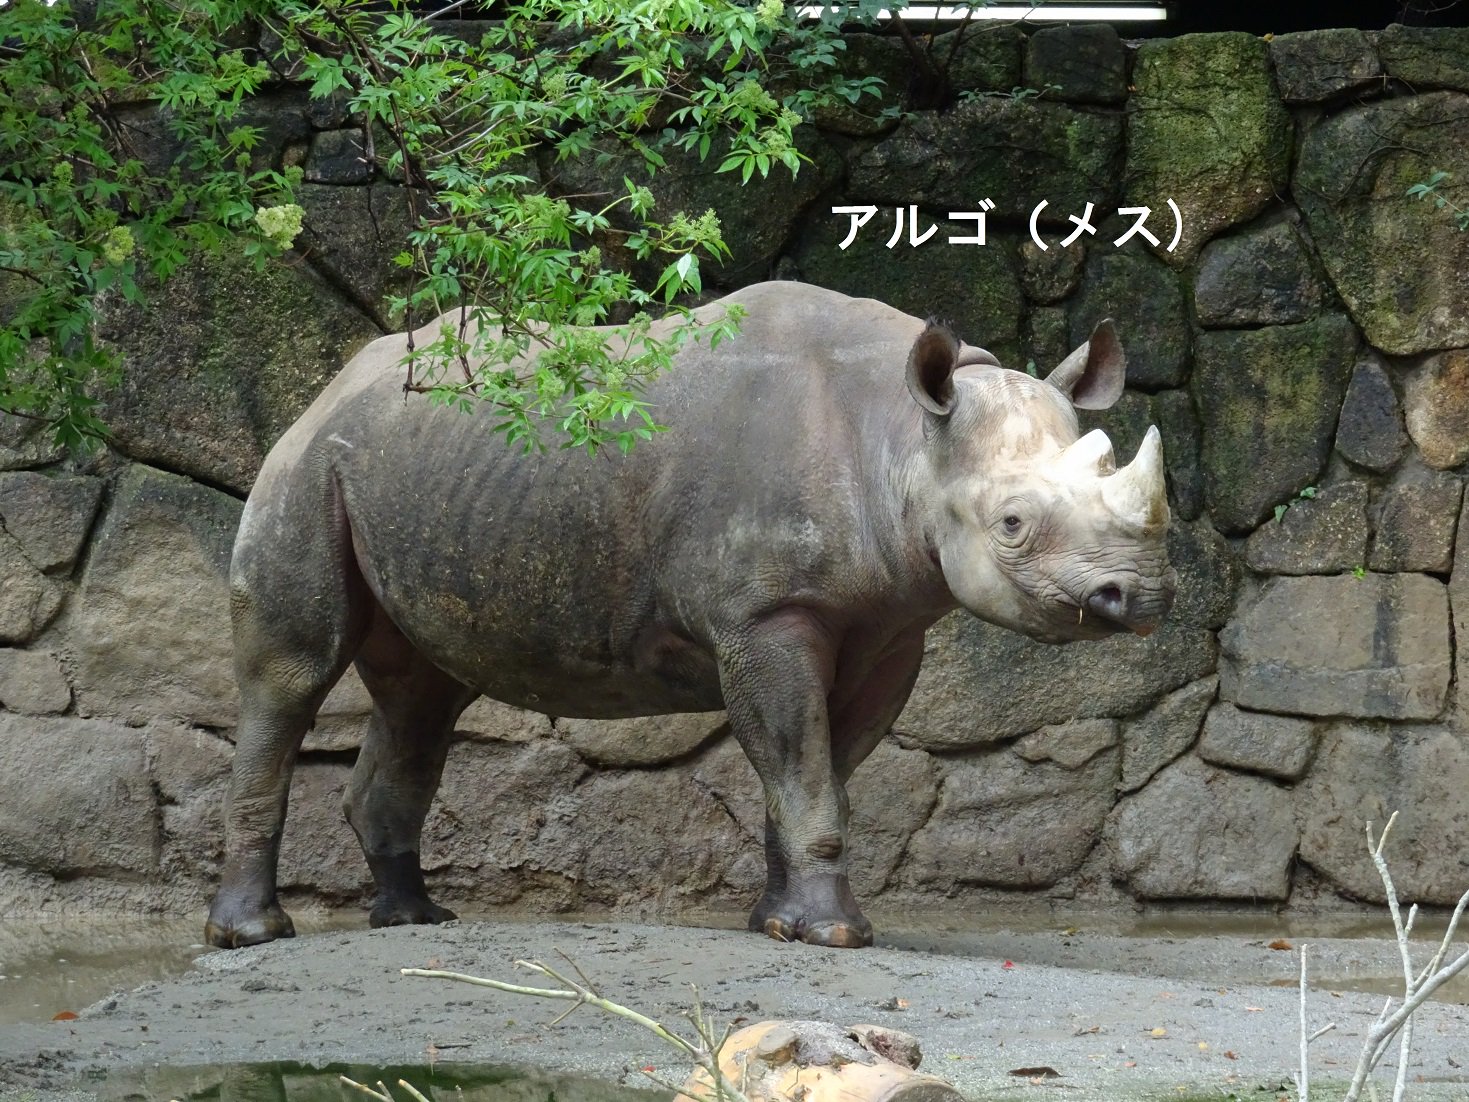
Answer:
(1107, 601)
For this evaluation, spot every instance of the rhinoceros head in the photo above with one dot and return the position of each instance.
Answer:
(1034, 525)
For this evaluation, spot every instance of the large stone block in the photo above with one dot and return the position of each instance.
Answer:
(1312, 66)
(1426, 57)
(647, 740)
(1013, 152)
(1182, 443)
(1326, 534)
(1206, 129)
(49, 515)
(75, 798)
(148, 633)
(531, 822)
(975, 288)
(1087, 62)
(893, 793)
(32, 682)
(646, 836)
(1396, 262)
(1370, 431)
(319, 852)
(1268, 399)
(1004, 821)
(1279, 746)
(29, 600)
(25, 442)
(1340, 646)
(1049, 275)
(221, 362)
(190, 769)
(1365, 772)
(981, 58)
(492, 835)
(1459, 600)
(1197, 832)
(351, 236)
(1146, 301)
(490, 720)
(1160, 736)
(1260, 276)
(1417, 514)
(339, 157)
(1436, 397)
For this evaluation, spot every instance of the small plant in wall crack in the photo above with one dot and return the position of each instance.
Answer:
(1428, 189)
(1418, 984)
(1307, 494)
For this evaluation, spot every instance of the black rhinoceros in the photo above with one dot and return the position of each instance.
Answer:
(834, 480)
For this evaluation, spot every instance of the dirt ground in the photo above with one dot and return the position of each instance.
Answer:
(1118, 1016)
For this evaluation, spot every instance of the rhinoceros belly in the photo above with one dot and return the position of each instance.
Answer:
(530, 578)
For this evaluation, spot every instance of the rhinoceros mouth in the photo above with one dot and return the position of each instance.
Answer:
(1086, 623)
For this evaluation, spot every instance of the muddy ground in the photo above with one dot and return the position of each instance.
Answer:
(1118, 1016)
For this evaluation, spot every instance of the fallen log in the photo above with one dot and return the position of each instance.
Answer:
(801, 1061)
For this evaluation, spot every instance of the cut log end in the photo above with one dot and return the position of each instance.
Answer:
(819, 1062)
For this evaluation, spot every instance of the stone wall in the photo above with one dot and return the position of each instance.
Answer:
(1304, 349)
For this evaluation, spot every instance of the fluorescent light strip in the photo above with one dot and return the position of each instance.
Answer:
(1110, 13)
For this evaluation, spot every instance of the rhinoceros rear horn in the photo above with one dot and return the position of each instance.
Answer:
(931, 365)
(1137, 494)
(1093, 375)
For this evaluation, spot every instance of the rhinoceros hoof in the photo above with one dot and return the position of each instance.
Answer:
(834, 935)
(226, 930)
(819, 910)
(408, 912)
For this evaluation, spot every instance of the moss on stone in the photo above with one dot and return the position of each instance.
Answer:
(221, 361)
(1206, 129)
(1268, 400)
(1397, 262)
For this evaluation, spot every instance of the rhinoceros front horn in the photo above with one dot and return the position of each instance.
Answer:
(1136, 493)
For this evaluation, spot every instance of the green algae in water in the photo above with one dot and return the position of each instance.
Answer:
(292, 1082)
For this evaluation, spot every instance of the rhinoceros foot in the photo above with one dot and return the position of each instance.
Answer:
(408, 912)
(820, 910)
(402, 896)
(233, 924)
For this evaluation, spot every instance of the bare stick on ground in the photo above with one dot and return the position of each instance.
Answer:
(1417, 987)
(703, 1052)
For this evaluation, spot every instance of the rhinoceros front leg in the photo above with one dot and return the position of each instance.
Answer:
(859, 716)
(776, 676)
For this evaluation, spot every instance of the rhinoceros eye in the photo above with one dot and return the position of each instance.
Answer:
(1012, 524)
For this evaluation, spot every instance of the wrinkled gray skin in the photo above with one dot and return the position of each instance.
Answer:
(778, 553)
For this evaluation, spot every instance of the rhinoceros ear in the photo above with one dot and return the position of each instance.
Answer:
(931, 369)
(1093, 376)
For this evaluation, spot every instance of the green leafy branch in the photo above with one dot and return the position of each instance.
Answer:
(465, 122)
(83, 214)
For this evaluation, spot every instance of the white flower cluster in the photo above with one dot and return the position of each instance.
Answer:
(281, 224)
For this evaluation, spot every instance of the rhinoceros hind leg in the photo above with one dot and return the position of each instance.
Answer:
(299, 608)
(245, 910)
(415, 705)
